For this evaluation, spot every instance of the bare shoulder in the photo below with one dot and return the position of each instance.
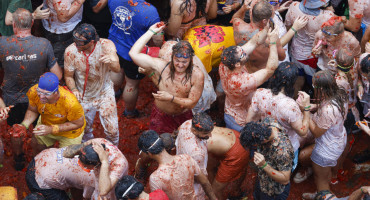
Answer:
(197, 73)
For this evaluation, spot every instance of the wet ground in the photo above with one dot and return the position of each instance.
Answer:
(130, 130)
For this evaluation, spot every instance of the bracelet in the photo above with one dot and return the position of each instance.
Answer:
(161, 33)
(173, 97)
(55, 129)
(153, 31)
(263, 166)
(151, 74)
(295, 31)
(23, 124)
(307, 107)
(271, 43)
(306, 110)
(359, 85)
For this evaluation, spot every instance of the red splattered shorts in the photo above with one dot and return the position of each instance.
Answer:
(164, 123)
(234, 162)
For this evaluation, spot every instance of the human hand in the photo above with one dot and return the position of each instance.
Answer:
(163, 96)
(247, 4)
(318, 48)
(108, 59)
(259, 159)
(273, 34)
(367, 47)
(363, 125)
(98, 148)
(157, 27)
(300, 22)
(142, 70)
(41, 14)
(42, 130)
(284, 6)
(77, 94)
(227, 9)
(365, 189)
(18, 130)
(4, 112)
(303, 100)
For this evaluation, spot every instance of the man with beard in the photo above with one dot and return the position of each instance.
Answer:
(180, 83)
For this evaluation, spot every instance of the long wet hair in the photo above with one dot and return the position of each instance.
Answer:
(200, 7)
(327, 90)
(185, 48)
(284, 77)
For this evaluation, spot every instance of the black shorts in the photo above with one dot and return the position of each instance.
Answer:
(54, 194)
(131, 69)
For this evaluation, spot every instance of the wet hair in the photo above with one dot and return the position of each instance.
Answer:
(22, 18)
(87, 31)
(34, 196)
(147, 140)
(182, 47)
(261, 10)
(334, 25)
(285, 77)
(229, 57)
(345, 59)
(327, 90)
(168, 141)
(88, 156)
(254, 133)
(202, 122)
(200, 8)
(365, 64)
(124, 184)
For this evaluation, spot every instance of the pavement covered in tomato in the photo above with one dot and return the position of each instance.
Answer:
(130, 130)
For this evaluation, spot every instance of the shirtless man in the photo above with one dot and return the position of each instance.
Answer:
(238, 83)
(189, 13)
(262, 12)
(359, 16)
(330, 39)
(180, 83)
(175, 174)
(198, 137)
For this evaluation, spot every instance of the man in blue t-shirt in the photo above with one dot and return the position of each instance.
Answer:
(130, 20)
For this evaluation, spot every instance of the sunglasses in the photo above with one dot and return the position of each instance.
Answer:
(182, 55)
(80, 42)
(328, 33)
(39, 92)
(275, 3)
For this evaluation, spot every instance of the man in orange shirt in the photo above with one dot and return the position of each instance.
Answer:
(61, 116)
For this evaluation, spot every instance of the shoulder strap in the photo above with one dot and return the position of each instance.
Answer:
(160, 76)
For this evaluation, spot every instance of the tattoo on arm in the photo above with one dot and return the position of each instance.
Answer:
(72, 150)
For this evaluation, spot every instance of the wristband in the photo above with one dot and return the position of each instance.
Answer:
(151, 74)
(362, 190)
(173, 97)
(359, 85)
(295, 31)
(24, 125)
(263, 166)
(153, 31)
(271, 43)
(161, 33)
(55, 129)
(306, 110)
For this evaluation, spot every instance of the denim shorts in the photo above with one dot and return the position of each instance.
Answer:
(231, 123)
(322, 160)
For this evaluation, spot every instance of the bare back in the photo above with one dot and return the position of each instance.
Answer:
(221, 141)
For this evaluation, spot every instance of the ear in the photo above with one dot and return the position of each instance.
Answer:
(237, 65)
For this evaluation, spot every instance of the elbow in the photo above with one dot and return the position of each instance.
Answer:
(63, 19)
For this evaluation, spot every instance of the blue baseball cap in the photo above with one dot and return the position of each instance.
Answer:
(314, 4)
(49, 81)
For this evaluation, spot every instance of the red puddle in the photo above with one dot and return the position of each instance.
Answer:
(130, 130)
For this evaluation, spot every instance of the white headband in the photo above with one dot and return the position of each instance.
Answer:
(152, 145)
(128, 189)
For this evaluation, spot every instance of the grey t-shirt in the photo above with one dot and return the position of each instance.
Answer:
(24, 60)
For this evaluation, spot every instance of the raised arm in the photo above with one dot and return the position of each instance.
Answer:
(143, 60)
(241, 12)
(263, 75)
(298, 24)
(256, 40)
(37, 14)
(175, 20)
(212, 11)
(282, 177)
(63, 13)
(301, 126)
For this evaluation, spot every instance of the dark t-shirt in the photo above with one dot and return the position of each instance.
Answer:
(24, 60)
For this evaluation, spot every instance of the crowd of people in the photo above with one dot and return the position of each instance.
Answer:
(293, 87)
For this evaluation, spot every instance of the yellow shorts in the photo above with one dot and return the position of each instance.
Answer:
(50, 139)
